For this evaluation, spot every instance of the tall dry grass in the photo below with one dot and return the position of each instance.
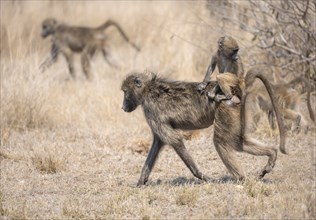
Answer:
(32, 99)
(68, 150)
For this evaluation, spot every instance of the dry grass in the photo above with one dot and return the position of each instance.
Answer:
(69, 151)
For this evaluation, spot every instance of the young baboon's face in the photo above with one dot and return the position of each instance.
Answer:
(228, 47)
(133, 87)
(49, 25)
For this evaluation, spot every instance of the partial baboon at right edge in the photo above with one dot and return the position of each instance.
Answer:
(172, 106)
(67, 40)
(289, 100)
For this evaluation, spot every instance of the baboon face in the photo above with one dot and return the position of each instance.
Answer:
(133, 88)
(49, 26)
(228, 47)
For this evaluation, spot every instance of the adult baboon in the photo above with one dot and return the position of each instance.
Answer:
(226, 58)
(230, 121)
(68, 39)
(170, 107)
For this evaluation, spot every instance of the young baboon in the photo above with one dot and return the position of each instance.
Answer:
(169, 107)
(85, 40)
(226, 58)
(230, 120)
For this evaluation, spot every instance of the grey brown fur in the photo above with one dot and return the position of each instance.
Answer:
(229, 123)
(169, 107)
(288, 100)
(85, 40)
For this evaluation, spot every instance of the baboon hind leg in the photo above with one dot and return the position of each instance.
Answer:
(188, 160)
(256, 148)
(228, 157)
(150, 161)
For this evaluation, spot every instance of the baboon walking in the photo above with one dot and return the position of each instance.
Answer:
(230, 121)
(85, 40)
(169, 107)
(172, 106)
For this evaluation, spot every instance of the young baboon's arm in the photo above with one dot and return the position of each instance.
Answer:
(210, 69)
(51, 59)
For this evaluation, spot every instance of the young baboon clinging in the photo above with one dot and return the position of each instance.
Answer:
(230, 121)
(170, 107)
(85, 40)
(226, 58)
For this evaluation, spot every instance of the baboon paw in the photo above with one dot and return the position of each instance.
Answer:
(266, 170)
(206, 178)
(262, 174)
(140, 183)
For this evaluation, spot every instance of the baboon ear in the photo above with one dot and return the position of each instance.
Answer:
(138, 82)
(221, 41)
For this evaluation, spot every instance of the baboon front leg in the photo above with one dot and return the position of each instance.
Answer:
(256, 148)
(150, 161)
(85, 63)
(188, 160)
(70, 60)
(51, 59)
(228, 157)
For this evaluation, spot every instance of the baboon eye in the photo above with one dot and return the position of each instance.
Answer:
(138, 82)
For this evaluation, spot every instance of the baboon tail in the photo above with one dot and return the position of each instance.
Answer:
(308, 87)
(109, 23)
(249, 79)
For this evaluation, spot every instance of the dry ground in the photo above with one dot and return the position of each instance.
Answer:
(69, 151)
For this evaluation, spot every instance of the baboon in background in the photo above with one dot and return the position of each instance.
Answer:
(226, 58)
(230, 121)
(288, 100)
(85, 40)
(171, 106)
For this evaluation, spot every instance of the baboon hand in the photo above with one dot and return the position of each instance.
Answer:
(201, 87)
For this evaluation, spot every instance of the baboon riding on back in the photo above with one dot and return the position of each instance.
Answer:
(172, 106)
(68, 39)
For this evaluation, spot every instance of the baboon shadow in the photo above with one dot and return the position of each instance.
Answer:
(182, 181)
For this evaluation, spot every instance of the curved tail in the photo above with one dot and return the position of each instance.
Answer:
(109, 23)
(252, 74)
